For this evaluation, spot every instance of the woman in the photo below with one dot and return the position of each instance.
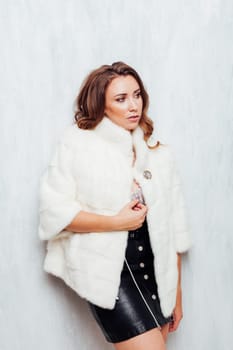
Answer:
(112, 210)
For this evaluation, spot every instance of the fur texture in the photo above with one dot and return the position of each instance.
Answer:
(92, 170)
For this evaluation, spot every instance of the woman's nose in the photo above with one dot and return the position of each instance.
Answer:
(132, 104)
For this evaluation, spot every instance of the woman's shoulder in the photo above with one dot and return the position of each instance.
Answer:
(159, 147)
(72, 135)
(164, 151)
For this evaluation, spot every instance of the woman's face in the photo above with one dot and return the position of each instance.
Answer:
(123, 102)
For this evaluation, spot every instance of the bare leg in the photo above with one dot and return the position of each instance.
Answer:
(150, 340)
(164, 331)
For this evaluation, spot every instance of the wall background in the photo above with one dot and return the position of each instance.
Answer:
(184, 52)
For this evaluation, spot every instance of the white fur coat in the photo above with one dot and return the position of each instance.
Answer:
(92, 170)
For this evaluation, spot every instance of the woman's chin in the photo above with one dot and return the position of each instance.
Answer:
(131, 127)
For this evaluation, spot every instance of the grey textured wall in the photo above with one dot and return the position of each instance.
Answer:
(184, 52)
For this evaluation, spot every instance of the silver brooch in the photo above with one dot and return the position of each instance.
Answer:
(147, 174)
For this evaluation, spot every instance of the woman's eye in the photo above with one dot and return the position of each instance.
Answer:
(121, 99)
(138, 94)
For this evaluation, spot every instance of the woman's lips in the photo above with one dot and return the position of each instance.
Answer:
(134, 118)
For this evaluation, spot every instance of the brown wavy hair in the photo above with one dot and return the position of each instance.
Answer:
(90, 102)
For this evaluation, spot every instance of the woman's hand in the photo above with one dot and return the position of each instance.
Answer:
(177, 313)
(131, 216)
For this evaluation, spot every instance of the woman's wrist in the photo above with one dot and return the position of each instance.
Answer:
(115, 223)
(110, 223)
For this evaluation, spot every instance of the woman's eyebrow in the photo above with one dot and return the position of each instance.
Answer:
(124, 93)
(121, 94)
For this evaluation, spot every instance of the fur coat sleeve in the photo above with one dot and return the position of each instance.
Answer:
(180, 224)
(58, 205)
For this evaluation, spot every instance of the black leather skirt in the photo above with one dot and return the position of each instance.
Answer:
(137, 308)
